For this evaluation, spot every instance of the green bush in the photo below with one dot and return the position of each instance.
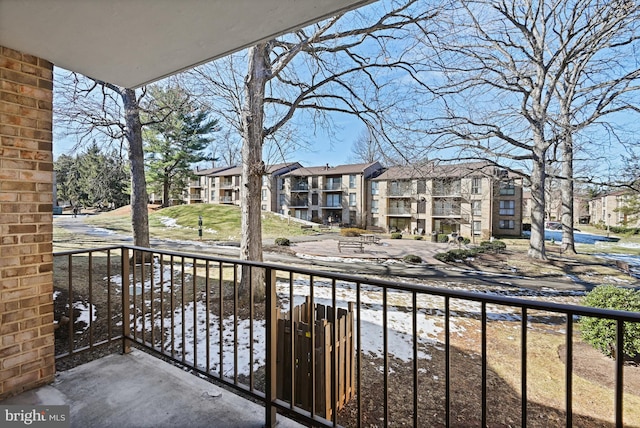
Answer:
(457, 254)
(601, 333)
(418, 238)
(466, 241)
(283, 242)
(443, 238)
(496, 246)
(412, 258)
(396, 235)
(352, 231)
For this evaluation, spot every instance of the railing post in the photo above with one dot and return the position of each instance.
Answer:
(126, 318)
(271, 325)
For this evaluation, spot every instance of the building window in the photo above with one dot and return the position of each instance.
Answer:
(264, 194)
(422, 186)
(283, 200)
(213, 195)
(507, 224)
(507, 207)
(264, 207)
(334, 201)
(375, 222)
(476, 185)
(375, 206)
(374, 187)
(476, 208)
(352, 199)
(314, 182)
(477, 228)
(352, 181)
(507, 188)
(314, 199)
(265, 180)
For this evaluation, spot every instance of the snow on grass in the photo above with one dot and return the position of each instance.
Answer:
(161, 278)
(173, 223)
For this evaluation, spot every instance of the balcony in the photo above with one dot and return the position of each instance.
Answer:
(447, 212)
(332, 187)
(400, 191)
(295, 203)
(195, 196)
(399, 211)
(416, 342)
(300, 187)
(226, 184)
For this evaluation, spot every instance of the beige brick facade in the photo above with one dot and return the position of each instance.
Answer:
(26, 260)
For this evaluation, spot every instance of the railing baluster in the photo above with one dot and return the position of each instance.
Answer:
(221, 319)
(569, 372)
(385, 350)
(151, 298)
(251, 374)
(235, 326)
(619, 372)
(195, 314)
(447, 358)
(334, 361)
(183, 309)
(142, 296)
(90, 279)
(523, 365)
(173, 309)
(109, 319)
(292, 339)
(70, 302)
(484, 361)
(126, 301)
(359, 353)
(271, 325)
(414, 339)
(312, 323)
(207, 296)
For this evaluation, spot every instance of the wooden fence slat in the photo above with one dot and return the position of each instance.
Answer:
(328, 349)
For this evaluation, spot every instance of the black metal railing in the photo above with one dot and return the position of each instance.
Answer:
(220, 318)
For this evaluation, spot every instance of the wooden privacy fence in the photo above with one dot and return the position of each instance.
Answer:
(325, 346)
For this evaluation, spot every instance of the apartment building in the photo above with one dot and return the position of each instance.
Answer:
(202, 187)
(472, 199)
(328, 195)
(222, 185)
(605, 209)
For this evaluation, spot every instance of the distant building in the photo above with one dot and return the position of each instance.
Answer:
(473, 199)
(328, 194)
(605, 209)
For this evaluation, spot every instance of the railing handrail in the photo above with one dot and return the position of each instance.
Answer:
(402, 286)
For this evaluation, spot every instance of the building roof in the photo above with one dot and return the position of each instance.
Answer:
(132, 43)
(431, 170)
(210, 171)
(356, 168)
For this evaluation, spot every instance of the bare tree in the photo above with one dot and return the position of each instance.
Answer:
(92, 109)
(366, 148)
(350, 64)
(504, 76)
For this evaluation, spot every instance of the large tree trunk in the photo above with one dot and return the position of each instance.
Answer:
(165, 192)
(566, 188)
(538, 175)
(139, 199)
(253, 168)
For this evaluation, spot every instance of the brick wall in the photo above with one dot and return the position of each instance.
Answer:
(26, 261)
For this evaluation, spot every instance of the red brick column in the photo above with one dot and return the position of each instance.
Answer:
(26, 260)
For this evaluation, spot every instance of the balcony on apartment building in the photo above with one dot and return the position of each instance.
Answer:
(195, 196)
(227, 184)
(400, 190)
(300, 186)
(404, 211)
(190, 311)
(298, 202)
(332, 185)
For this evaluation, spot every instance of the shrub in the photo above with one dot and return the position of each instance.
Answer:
(443, 238)
(412, 258)
(466, 241)
(283, 242)
(352, 231)
(495, 246)
(396, 235)
(418, 237)
(457, 254)
(601, 333)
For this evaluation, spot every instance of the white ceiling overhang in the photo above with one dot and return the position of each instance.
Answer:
(134, 42)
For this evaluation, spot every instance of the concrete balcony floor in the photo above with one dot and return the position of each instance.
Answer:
(138, 390)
